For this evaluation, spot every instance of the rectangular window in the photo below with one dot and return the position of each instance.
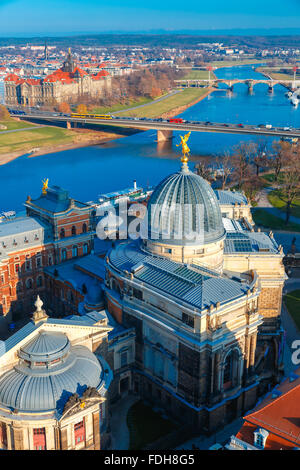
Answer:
(124, 359)
(138, 294)
(188, 319)
(17, 268)
(28, 265)
(3, 435)
(79, 432)
(39, 439)
(39, 262)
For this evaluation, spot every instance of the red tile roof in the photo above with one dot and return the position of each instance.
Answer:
(279, 416)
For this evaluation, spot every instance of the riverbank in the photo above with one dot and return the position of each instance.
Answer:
(75, 139)
(180, 109)
(42, 141)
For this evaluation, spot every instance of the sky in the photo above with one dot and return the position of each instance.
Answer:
(46, 17)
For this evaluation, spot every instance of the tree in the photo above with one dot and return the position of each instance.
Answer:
(260, 158)
(279, 156)
(202, 170)
(241, 160)
(251, 187)
(290, 186)
(64, 108)
(4, 114)
(81, 109)
(225, 167)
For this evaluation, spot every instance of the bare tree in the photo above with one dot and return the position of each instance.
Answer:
(224, 163)
(290, 186)
(260, 158)
(279, 156)
(241, 161)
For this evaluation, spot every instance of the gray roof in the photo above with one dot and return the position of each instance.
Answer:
(55, 200)
(181, 204)
(230, 197)
(88, 270)
(23, 232)
(195, 285)
(33, 388)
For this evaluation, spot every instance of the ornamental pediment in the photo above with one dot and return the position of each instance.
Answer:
(75, 404)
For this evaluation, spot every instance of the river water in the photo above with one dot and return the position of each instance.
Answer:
(90, 171)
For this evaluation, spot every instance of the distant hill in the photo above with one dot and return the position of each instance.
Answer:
(251, 38)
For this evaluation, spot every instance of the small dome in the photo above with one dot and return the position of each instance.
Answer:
(46, 347)
(183, 210)
(50, 370)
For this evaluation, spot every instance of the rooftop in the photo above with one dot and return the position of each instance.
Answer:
(195, 285)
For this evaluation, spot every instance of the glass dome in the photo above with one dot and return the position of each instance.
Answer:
(183, 210)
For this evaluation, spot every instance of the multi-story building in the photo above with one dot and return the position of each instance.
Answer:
(54, 384)
(206, 310)
(67, 84)
(57, 228)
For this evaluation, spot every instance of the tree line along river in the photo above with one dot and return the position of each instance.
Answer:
(90, 171)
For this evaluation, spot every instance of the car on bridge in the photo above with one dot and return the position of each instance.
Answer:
(240, 125)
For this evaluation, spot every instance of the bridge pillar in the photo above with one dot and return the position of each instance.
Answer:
(69, 125)
(164, 135)
(271, 88)
(250, 87)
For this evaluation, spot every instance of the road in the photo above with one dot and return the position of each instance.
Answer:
(20, 130)
(161, 124)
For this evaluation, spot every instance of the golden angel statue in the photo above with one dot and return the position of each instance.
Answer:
(185, 147)
(45, 186)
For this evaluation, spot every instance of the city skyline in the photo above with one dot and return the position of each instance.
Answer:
(20, 17)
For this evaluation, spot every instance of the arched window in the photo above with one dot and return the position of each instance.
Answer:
(18, 287)
(73, 230)
(39, 281)
(63, 254)
(62, 233)
(227, 380)
(75, 251)
(85, 249)
(231, 370)
(29, 284)
(84, 228)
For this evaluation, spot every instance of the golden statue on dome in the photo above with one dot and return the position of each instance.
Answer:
(45, 186)
(185, 147)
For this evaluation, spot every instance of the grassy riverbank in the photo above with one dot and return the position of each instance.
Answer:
(276, 74)
(196, 75)
(13, 124)
(47, 139)
(232, 63)
(185, 98)
(121, 107)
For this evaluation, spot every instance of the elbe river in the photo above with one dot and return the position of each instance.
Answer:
(90, 171)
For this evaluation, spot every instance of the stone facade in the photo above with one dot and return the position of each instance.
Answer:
(67, 84)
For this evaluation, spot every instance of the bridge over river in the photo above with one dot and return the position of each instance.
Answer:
(163, 127)
(250, 82)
